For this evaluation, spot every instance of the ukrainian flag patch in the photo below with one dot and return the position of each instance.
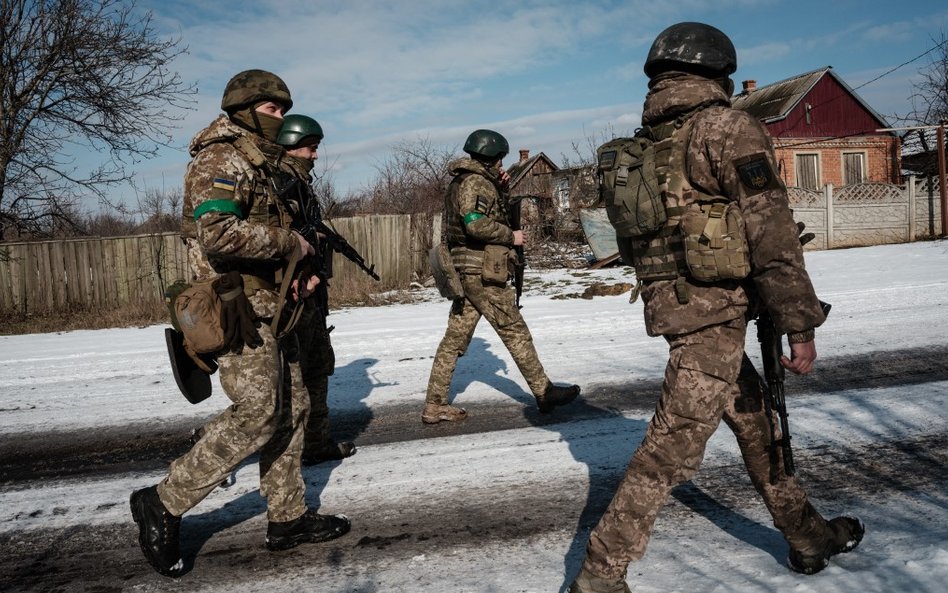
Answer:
(224, 184)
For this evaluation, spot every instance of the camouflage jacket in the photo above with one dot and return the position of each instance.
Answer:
(475, 214)
(731, 154)
(231, 219)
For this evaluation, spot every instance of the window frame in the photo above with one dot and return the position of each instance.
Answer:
(819, 168)
(864, 158)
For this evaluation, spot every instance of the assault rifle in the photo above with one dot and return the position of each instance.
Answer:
(338, 243)
(513, 216)
(771, 350)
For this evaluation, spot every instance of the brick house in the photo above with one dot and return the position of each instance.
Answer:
(823, 131)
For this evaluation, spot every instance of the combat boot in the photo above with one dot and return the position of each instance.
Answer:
(555, 395)
(587, 582)
(331, 451)
(435, 413)
(157, 532)
(845, 533)
(310, 528)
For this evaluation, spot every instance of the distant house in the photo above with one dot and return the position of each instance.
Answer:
(531, 180)
(823, 131)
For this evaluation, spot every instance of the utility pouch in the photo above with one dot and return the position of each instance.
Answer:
(171, 294)
(446, 276)
(498, 264)
(198, 313)
(715, 242)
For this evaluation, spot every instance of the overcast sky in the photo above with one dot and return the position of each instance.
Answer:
(545, 74)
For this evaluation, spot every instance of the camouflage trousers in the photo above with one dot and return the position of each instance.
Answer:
(317, 362)
(702, 385)
(267, 416)
(498, 305)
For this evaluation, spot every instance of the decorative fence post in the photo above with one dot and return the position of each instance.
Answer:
(828, 195)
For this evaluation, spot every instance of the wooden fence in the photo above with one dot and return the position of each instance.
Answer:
(104, 273)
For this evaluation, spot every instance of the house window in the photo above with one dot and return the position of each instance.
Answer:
(808, 171)
(854, 168)
(562, 193)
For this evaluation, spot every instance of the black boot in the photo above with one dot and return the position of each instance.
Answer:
(157, 532)
(310, 528)
(845, 533)
(555, 395)
(331, 451)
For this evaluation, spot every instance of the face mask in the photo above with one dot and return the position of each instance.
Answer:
(728, 85)
(258, 123)
(305, 164)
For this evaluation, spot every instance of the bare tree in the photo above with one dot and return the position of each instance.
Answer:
(930, 93)
(160, 210)
(413, 180)
(88, 76)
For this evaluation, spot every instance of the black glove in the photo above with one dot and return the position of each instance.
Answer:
(804, 237)
(237, 316)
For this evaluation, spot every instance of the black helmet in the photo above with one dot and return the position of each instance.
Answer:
(692, 47)
(297, 128)
(252, 86)
(487, 144)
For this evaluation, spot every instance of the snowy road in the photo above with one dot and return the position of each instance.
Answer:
(503, 501)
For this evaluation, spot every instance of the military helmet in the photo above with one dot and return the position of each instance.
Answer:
(252, 86)
(692, 47)
(486, 143)
(297, 128)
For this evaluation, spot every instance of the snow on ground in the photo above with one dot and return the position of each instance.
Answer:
(884, 298)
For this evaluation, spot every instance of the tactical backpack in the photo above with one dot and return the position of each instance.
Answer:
(665, 228)
(629, 184)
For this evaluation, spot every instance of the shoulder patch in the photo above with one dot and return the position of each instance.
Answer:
(224, 184)
(756, 174)
(483, 205)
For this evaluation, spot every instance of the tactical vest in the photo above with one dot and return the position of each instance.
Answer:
(267, 209)
(454, 233)
(703, 235)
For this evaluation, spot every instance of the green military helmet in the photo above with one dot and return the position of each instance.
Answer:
(252, 86)
(487, 144)
(692, 47)
(297, 128)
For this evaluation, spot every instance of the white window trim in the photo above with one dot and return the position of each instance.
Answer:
(865, 164)
(819, 167)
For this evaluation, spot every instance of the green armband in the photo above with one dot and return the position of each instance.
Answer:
(472, 216)
(218, 206)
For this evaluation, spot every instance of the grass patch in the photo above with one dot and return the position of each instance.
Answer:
(140, 315)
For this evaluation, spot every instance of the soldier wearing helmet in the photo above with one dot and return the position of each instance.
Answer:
(718, 156)
(481, 242)
(239, 239)
(300, 136)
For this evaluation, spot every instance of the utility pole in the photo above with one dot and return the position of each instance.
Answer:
(942, 182)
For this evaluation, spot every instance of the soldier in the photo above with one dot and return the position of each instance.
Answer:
(481, 240)
(300, 136)
(726, 158)
(236, 231)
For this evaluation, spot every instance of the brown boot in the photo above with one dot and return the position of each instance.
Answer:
(845, 533)
(587, 582)
(435, 413)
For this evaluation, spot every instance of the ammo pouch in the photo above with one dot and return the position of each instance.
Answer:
(446, 276)
(197, 311)
(498, 264)
(715, 242)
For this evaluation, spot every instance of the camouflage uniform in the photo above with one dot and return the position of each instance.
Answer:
(704, 381)
(475, 189)
(245, 231)
(317, 360)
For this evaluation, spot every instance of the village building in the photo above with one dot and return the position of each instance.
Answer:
(823, 131)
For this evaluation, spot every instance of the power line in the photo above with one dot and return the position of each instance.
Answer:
(916, 58)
